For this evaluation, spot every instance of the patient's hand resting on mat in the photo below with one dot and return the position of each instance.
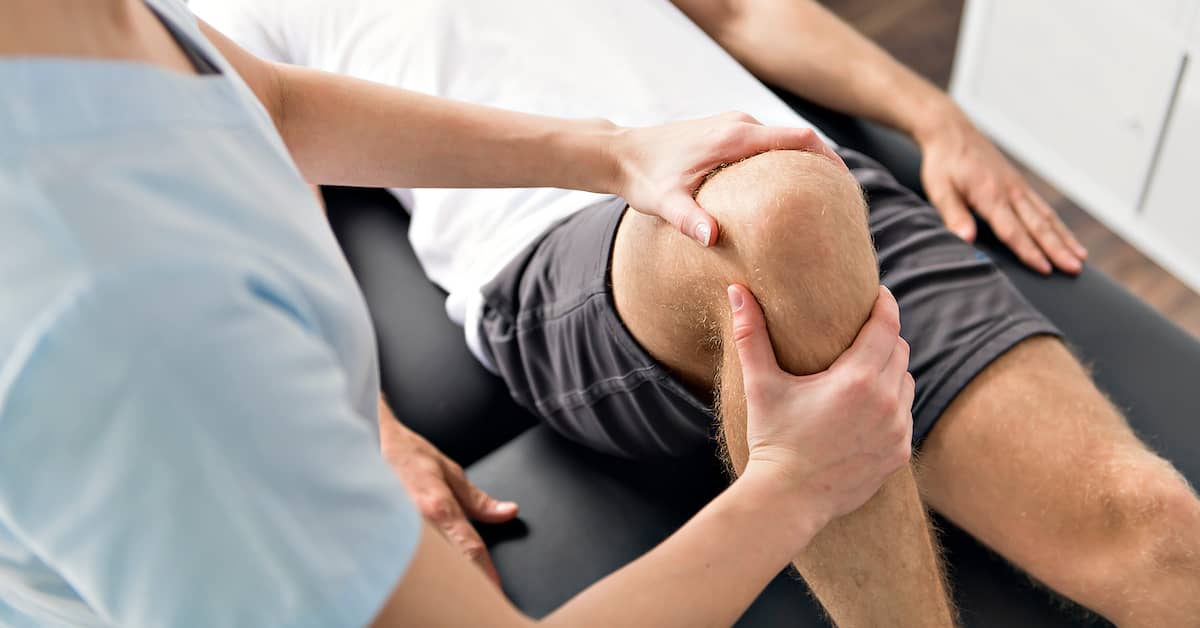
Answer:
(441, 489)
(962, 170)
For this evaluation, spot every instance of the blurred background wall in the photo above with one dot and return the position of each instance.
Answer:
(923, 35)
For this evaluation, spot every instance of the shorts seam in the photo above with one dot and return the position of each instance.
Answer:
(589, 395)
(532, 320)
(651, 371)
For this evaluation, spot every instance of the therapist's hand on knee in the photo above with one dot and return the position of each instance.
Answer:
(834, 436)
(661, 167)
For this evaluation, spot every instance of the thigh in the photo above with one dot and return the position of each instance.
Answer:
(1036, 463)
(664, 294)
(958, 311)
(552, 330)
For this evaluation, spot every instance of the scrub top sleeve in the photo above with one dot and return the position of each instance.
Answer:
(190, 457)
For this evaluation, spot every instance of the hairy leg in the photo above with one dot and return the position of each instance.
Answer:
(1036, 463)
(875, 567)
(794, 231)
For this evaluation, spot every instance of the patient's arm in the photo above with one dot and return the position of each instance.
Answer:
(347, 131)
(801, 46)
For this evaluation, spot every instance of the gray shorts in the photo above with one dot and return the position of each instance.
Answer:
(553, 330)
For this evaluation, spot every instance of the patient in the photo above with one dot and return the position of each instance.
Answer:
(613, 329)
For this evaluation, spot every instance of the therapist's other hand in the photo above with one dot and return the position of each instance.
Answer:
(663, 166)
(835, 436)
(442, 491)
(962, 170)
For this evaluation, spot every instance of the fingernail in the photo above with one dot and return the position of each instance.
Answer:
(735, 298)
(506, 506)
(702, 232)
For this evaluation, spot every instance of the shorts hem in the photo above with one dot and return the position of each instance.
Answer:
(957, 378)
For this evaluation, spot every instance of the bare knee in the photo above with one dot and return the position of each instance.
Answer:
(1149, 519)
(794, 230)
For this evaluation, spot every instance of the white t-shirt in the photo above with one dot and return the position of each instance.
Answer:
(635, 62)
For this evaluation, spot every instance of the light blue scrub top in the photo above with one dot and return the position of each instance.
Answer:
(188, 377)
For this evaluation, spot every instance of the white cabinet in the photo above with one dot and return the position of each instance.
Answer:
(1172, 209)
(1175, 14)
(1091, 94)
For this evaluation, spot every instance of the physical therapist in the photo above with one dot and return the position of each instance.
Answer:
(188, 381)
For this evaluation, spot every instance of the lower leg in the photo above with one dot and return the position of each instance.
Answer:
(1036, 463)
(878, 566)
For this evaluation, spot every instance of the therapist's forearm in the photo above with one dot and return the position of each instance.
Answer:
(803, 47)
(347, 131)
(708, 572)
(705, 574)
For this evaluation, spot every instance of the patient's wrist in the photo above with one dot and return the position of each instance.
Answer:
(935, 117)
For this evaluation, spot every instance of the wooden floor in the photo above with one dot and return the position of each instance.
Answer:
(922, 34)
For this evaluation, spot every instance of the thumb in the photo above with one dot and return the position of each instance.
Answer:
(954, 211)
(750, 335)
(694, 222)
(478, 505)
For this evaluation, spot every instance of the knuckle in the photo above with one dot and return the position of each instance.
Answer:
(1038, 224)
(453, 468)
(1029, 249)
(893, 400)
(739, 116)
(473, 548)
(892, 325)
(744, 332)
(424, 465)
(858, 382)
(677, 219)
(889, 402)
(437, 508)
(808, 138)
(1005, 230)
(1041, 208)
(728, 139)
